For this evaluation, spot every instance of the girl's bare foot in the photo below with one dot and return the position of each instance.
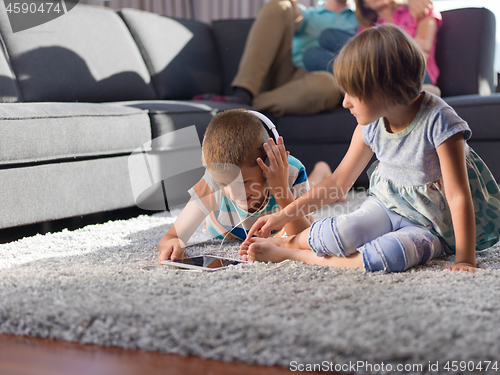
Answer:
(266, 251)
(280, 242)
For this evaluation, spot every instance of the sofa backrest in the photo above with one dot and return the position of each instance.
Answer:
(465, 52)
(9, 92)
(87, 55)
(180, 54)
(230, 37)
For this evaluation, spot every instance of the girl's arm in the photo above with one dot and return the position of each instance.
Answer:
(426, 34)
(330, 190)
(277, 174)
(451, 155)
(173, 243)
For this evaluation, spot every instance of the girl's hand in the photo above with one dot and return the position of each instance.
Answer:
(277, 172)
(461, 267)
(265, 224)
(171, 249)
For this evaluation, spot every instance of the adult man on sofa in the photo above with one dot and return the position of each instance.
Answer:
(271, 77)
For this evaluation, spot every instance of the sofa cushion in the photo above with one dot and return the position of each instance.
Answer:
(87, 55)
(169, 115)
(180, 54)
(481, 113)
(230, 37)
(465, 52)
(329, 127)
(9, 92)
(34, 132)
(51, 191)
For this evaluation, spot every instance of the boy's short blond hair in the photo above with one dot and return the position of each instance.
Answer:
(381, 60)
(234, 137)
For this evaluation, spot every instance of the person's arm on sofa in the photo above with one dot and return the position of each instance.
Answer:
(420, 8)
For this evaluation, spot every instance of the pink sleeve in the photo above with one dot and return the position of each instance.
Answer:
(434, 13)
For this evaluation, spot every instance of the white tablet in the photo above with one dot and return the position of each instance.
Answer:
(202, 263)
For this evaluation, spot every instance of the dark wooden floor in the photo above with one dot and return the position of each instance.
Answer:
(35, 356)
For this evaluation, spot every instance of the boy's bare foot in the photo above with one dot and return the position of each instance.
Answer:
(320, 171)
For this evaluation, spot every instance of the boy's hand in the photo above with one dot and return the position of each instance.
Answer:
(276, 173)
(172, 249)
(461, 267)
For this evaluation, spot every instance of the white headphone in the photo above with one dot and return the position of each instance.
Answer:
(268, 123)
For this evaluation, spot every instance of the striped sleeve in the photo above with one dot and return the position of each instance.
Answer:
(297, 177)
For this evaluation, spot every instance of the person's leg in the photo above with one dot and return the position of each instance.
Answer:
(334, 39)
(398, 251)
(320, 171)
(267, 57)
(263, 251)
(332, 237)
(317, 58)
(331, 42)
(342, 235)
(268, 49)
(306, 94)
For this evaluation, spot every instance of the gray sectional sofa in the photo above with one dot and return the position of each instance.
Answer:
(91, 100)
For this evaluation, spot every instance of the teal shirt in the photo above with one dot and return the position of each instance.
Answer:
(316, 19)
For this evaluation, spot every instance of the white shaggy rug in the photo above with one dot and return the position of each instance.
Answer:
(102, 285)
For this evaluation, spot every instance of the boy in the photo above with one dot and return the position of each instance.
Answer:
(238, 186)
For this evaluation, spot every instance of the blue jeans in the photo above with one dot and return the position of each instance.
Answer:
(427, 79)
(388, 241)
(331, 42)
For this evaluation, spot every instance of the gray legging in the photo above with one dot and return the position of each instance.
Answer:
(388, 241)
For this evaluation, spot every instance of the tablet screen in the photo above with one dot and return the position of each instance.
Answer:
(202, 262)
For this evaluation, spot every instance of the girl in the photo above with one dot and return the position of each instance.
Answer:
(423, 31)
(420, 184)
